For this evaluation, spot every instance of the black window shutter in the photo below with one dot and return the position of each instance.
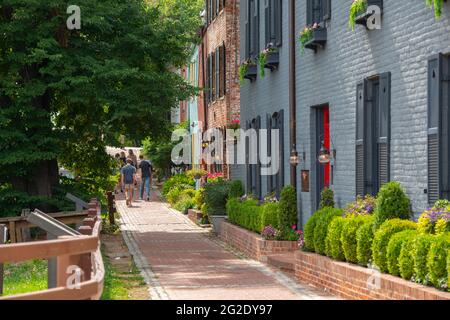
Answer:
(384, 129)
(444, 92)
(224, 70)
(207, 11)
(269, 150)
(360, 139)
(207, 81)
(247, 26)
(258, 166)
(218, 72)
(247, 161)
(213, 91)
(268, 20)
(326, 5)
(434, 79)
(278, 22)
(280, 175)
(309, 12)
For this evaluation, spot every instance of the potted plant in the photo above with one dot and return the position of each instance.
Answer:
(358, 11)
(216, 194)
(313, 37)
(437, 7)
(247, 70)
(269, 58)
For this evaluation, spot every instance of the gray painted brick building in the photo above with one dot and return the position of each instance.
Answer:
(390, 75)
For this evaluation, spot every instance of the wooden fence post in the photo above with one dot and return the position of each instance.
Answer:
(2, 241)
(111, 208)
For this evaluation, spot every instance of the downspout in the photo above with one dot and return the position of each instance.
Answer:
(293, 93)
(205, 107)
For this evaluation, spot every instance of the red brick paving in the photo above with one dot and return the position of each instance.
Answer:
(186, 264)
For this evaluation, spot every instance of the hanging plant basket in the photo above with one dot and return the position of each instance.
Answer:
(362, 17)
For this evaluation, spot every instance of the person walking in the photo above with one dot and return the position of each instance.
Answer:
(123, 159)
(133, 157)
(128, 181)
(146, 177)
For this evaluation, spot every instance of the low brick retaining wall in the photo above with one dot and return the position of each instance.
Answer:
(194, 215)
(354, 282)
(252, 244)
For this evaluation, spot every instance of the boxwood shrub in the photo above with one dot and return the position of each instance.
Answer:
(437, 261)
(406, 258)
(245, 214)
(420, 252)
(394, 248)
(270, 215)
(309, 230)
(382, 238)
(288, 208)
(364, 241)
(321, 229)
(392, 203)
(333, 244)
(348, 237)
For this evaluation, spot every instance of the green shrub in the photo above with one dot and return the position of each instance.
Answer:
(448, 268)
(382, 238)
(326, 198)
(246, 214)
(270, 215)
(348, 237)
(437, 261)
(420, 253)
(309, 230)
(333, 244)
(394, 248)
(199, 199)
(288, 208)
(177, 181)
(236, 189)
(364, 241)
(321, 229)
(392, 203)
(184, 204)
(406, 258)
(216, 195)
(173, 196)
(189, 192)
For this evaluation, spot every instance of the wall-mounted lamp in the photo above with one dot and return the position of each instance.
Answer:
(325, 155)
(294, 159)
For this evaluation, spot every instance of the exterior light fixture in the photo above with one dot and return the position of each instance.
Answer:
(294, 159)
(324, 155)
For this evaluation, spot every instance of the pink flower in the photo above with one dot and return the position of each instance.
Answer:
(294, 227)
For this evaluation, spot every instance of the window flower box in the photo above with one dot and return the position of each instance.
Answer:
(318, 39)
(248, 70)
(273, 60)
(362, 16)
(269, 58)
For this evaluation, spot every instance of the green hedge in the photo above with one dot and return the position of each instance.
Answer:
(394, 249)
(321, 229)
(437, 260)
(406, 258)
(420, 252)
(382, 238)
(364, 241)
(348, 237)
(333, 244)
(179, 180)
(247, 214)
(270, 215)
(215, 196)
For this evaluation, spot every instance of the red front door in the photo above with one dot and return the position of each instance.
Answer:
(327, 144)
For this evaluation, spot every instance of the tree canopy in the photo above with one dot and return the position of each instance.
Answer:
(65, 94)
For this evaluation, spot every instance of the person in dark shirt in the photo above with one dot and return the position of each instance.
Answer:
(146, 175)
(129, 180)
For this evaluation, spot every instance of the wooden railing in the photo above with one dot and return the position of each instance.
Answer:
(17, 225)
(79, 272)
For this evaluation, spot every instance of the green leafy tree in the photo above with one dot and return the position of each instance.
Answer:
(65, 93)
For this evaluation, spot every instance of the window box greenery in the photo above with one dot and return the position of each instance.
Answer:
(248, 70)
(269, 58)
(437, 4)
(358, 11)
(313, 37)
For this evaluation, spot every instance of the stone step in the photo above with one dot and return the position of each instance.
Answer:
(284, 261)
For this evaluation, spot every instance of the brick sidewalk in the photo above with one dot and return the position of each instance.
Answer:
(180, 261)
